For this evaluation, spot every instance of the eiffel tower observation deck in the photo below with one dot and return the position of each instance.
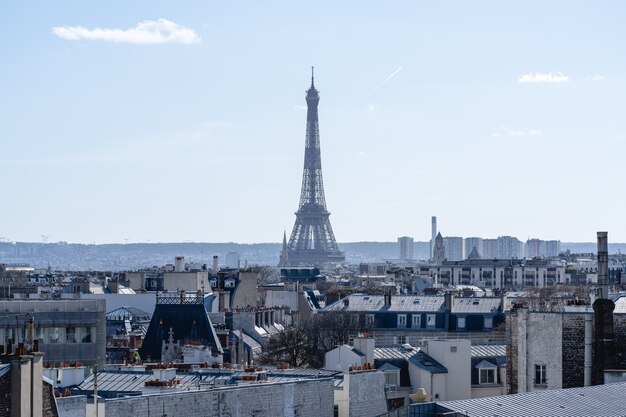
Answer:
(312, 240)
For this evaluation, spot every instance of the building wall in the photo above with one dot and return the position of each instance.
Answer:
(74, 406)
(246, 293)
(135, 280)
(535, 339)
(482, 391)
(188, 281)
(53, 318)
(573, 348)
(303, 398)
(5, 390)
(366, 393)
(455, 355)
(342, 358)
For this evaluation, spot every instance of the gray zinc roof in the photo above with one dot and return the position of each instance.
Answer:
(415, 303)
(374, 303)
(487, 351)
(601, 400)
(476, 305)
(394, 353)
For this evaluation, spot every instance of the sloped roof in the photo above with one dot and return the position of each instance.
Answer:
(414, 303)
(487, 351)
(485, 365)
(599, 400)
(476, 304)
(426, 362)
(128, 313)
(394, 353)
(388, 367)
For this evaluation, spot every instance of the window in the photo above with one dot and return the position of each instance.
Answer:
(86, 335)
(70, 335)
(452, 349)
(487, 376)
(540, 375)
(40, 334)
(369, 319)
(401, 320)
(488, 322)
(416, 320)
(460, 322)
(55, 334)
(391, 378)
(400, 340)
(430, 320)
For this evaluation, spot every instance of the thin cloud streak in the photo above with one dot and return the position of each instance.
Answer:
(547, 78)
(146, 32)
(505, 131)
(386, 79)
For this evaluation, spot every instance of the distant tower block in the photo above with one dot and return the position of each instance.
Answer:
(312, 241)
(433, 235)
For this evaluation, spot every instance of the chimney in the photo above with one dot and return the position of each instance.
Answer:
(603, 265)
(179, 264)
(365, 345)
(387, 298)
(604, 336)
(449, 298)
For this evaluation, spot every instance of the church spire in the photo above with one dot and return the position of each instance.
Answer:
(284, 254)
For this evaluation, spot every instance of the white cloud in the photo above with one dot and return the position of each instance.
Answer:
(597, 78)
(371, 107)
(537, 77)
(505, 131)
(299, 107)
(146, 32)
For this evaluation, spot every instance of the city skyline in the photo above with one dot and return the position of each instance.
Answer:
(168, 123)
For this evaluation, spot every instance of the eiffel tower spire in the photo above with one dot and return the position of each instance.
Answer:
(312, 240)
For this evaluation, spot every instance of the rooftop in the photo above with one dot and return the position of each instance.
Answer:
(600, 400)
(426, 362)
(416, 303)
(484, 351)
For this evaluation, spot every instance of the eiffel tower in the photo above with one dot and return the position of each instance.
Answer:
(312, 240)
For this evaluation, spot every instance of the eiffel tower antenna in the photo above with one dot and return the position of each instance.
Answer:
(312, 240)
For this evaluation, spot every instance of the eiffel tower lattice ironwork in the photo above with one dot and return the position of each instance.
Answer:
(312, 240)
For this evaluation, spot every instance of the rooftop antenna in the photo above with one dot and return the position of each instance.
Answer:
(312, 76)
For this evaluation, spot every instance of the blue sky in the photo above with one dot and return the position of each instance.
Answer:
(173, 121)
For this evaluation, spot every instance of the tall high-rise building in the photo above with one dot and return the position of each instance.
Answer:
(454, 247)
(553, 248)
(535, 248)
(433, 234)
(471, 243)
(490, 248)
(509, 247)
(406, 247)
(232, 260)
(312, 240)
